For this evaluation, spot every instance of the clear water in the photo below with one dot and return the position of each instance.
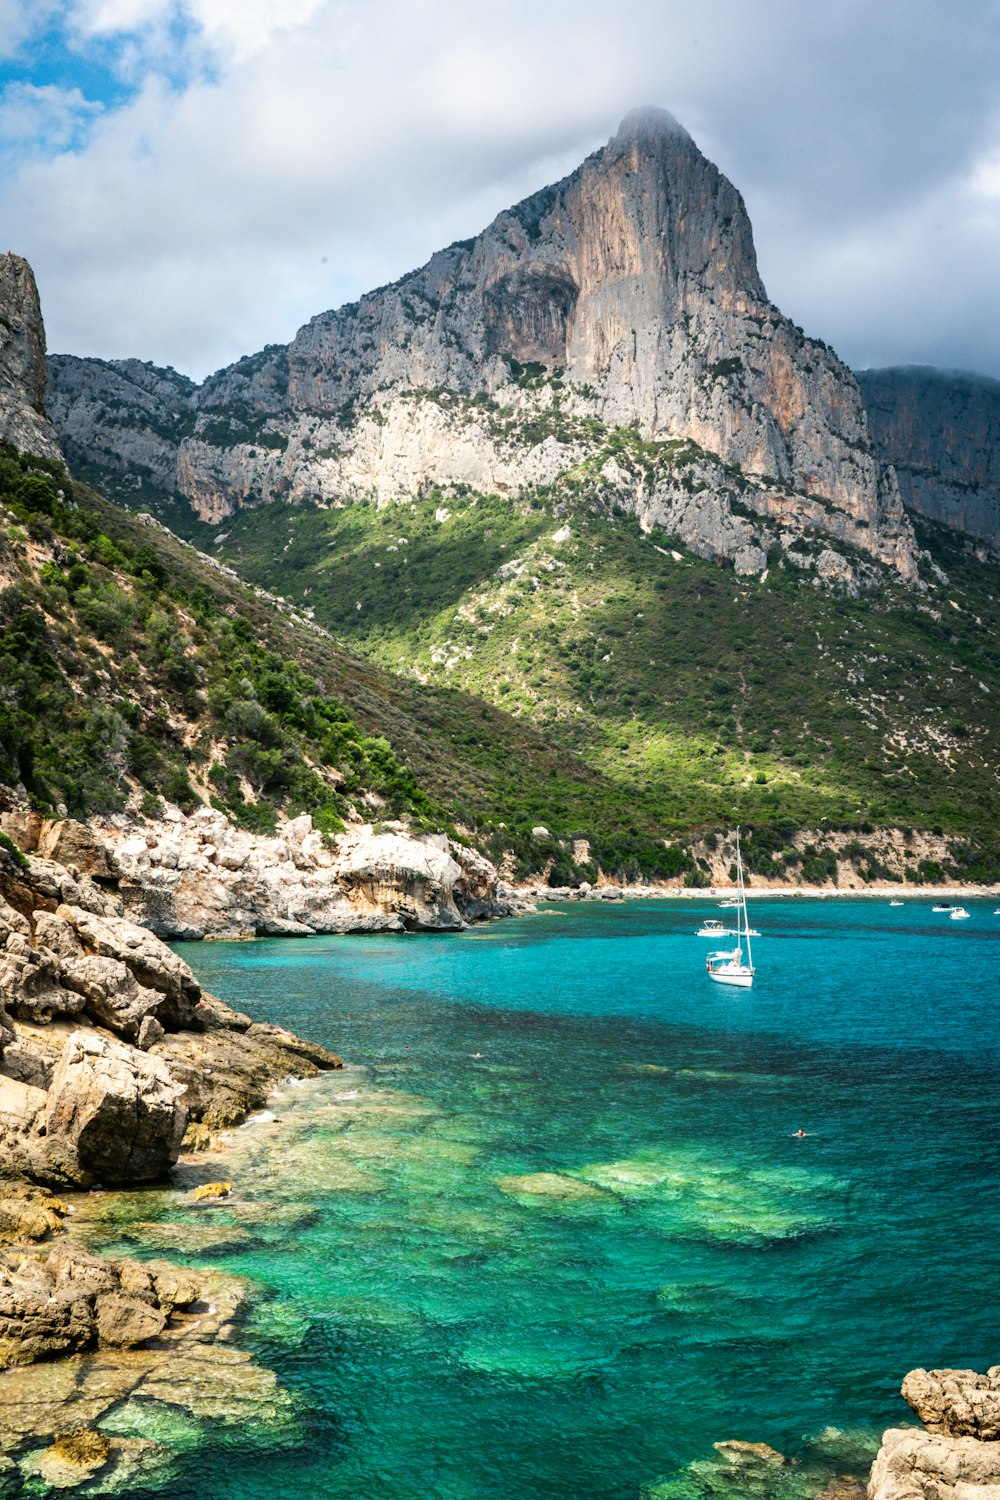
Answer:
(551, 1234)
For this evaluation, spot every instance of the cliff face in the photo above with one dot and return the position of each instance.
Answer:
(941, 430)
(23, 374)
(626, 295)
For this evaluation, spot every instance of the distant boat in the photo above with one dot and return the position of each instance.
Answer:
(895, 903)
(728, 967)
(724, 905)
(944, 906)
(959, 914)
(713, 928)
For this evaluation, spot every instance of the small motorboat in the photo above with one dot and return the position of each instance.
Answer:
(895, 903)
(944, 906)
(713, 928)
(726, 905)
(958, 914)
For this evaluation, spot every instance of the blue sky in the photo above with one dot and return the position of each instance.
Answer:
(194, 178)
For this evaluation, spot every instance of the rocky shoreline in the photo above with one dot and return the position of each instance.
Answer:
(112, 1058)
(199, 876)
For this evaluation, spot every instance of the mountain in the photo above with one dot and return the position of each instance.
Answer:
(593, 642)
(941, 431)
(623, 300)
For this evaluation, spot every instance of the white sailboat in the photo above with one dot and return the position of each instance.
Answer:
(727, 967)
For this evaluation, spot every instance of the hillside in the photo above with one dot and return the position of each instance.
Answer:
(134, 670)
(722, 699)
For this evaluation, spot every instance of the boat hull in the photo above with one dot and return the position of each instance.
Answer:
(742, 981)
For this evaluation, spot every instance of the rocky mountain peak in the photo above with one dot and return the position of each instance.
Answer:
(629, 293)
(23, 372)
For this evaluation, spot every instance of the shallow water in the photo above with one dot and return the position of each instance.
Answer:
(550, 1235)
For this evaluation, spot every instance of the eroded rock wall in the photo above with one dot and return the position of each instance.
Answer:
(941, 431)
(23, 372)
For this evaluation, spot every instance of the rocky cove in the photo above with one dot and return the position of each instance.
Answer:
(115, 1055)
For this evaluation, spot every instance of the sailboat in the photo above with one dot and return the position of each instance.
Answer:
(727, 967)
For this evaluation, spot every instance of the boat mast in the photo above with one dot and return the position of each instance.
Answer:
(744, 931)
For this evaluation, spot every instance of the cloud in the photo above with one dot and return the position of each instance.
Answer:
(44, 118)
(20, 20)
(270, 162)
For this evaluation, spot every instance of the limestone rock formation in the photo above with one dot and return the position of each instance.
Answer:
(625, 296)
(940, 429)
(113, 1114)
(958, 1456)
(68, 1300)
(23, 374)
(108, 1047)
(961, 1403)
(200, 876)
(53, 1410)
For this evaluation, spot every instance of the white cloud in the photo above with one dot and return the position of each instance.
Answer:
(325, 146)
(20, 20)
(43, 117)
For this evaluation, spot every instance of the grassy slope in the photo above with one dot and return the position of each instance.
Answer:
(702, 697)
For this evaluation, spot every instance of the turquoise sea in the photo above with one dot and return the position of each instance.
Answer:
(550, 1236)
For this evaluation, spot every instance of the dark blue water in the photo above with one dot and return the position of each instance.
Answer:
(553, 1235)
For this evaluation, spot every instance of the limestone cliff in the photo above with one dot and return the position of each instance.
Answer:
(941, 431)
(625, 296)
(23, 374)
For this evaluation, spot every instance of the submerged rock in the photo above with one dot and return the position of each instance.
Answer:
(549, 1185)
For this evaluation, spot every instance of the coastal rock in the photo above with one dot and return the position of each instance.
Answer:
(958, 1457)
(113, 1113)
(123, 1321)
(149, 960)
(412, 879)
(28, 1213)
(961, 1403)
(915, 1465)
(114, 997)
(206, 878)
(71, 843)
(226, 1073)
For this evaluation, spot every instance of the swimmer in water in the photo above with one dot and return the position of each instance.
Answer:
(800, 1135)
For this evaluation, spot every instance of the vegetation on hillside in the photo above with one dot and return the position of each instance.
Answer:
(123, 680)
(703, 697)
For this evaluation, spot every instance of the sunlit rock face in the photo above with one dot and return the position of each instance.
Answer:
(633, 283)
(941, 430)
(23, 374)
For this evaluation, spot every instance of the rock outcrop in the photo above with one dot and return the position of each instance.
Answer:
(201, 877)
(957, 1457)
(154, 1344)
(109, 1049)
(626, 296)
(940, 429)
(23, 372)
